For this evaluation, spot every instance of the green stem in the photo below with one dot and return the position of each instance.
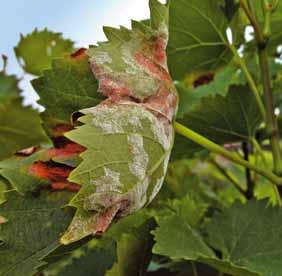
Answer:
(241, 62)
(271, 122)
(230, 177)
(249, 178)
(267, 15)
(215, 148)
(272, 125)
(194, 269)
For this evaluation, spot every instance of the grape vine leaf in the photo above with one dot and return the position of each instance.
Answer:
(133, 251)
(16, 120)
(88, 260)
(228, 119)
(31, 231)
(198, 39)
(110, 164)
(176, 235)
(8, 87)
(16, 171)
(128, 136)
(67, 87)
(249, 236)
(36, 50)
(246, 246)
(191, 96)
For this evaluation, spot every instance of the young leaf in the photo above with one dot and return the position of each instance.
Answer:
(176, 236)
(197, 37)
(31, 231)
(35, 51)
(128, 136)
(17, 121)
(67, 87)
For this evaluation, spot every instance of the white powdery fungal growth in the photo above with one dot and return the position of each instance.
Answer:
(140, 157)
(102, 58)
(138, 196)
(109, 182)
(114, 119)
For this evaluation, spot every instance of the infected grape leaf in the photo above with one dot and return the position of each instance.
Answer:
(128, 136)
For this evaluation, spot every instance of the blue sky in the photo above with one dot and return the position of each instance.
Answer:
(81, 21)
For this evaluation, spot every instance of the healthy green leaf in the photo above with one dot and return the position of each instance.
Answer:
(176, 236)
(197, 37)
(66, 88)
(228, 119)
(17, 121)
(249, 236)
(35, 51)
(189, 97)
(86, 261)
(133, 252)
(31, 231)
(16, 124)
(8, 87)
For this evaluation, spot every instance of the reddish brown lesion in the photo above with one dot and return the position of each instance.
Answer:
(56, 173)
(165, 100)
(152, 58)
(66, 150)
(105, 218)
(203, 79)
(80, 53)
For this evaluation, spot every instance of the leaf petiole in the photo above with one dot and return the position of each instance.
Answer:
(215, 148)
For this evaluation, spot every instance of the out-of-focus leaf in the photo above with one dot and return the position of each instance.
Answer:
(189, 97)
(66, 88)
(32, 229)
(228, 119)
(36, 50)
(20, 127)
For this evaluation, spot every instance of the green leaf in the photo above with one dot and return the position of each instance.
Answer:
(31, 231)
(16, 171)
(189, 97)
(133, 252)
(228, 119)
(176, 236)
(129, 136)
(8, 87)
(197, 37)
(88, 260)
(66, 88)
(35, 51)
(133, 62)
(16, 124)
(3, 188)
(249, 236)
(125, 161)
(17, 121)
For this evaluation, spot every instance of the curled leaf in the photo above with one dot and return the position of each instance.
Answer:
(128, 137)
